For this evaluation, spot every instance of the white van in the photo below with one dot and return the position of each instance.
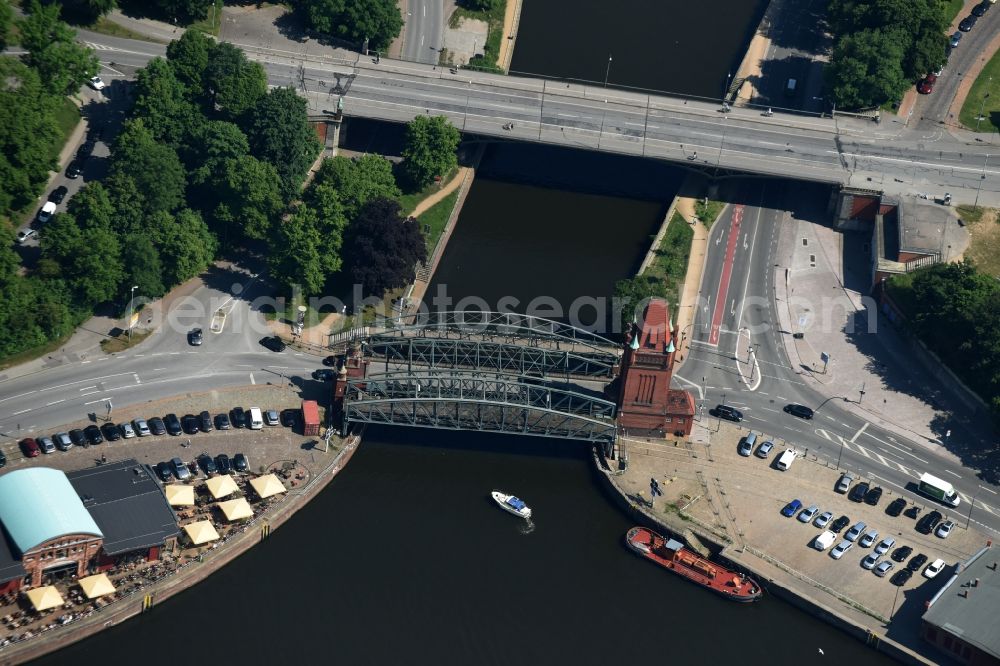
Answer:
(786, 459)
(824, 540)
(256, 418)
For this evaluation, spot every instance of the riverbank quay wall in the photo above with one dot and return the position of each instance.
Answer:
(706, 541)
(193, 572)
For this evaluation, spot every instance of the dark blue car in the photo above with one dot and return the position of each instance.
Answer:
(791, 508)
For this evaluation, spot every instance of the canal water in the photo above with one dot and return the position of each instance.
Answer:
(676, 46)
(404, 559)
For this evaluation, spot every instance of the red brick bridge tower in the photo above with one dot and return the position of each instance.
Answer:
(646, 403)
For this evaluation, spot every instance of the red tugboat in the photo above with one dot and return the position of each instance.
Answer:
(672, 555)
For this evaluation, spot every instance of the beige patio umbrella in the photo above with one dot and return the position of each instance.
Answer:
(96, 586)
(221, 486)
(267, 485)
(236, 509)
(179, 495)
(201, 532)
(44, 598)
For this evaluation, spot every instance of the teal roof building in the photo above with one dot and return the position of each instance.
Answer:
(39, 504)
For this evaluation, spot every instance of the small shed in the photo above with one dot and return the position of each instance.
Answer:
(310, 417)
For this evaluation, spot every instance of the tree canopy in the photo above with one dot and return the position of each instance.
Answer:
(358, 180)
(153, 166)
(378, 21)
(233, 83)
(279, 133)
(63, 64)
(430, 148)
(382, 249)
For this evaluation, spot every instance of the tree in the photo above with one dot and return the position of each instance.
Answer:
(634, 292)
(88, 259)
(214, 143)
(6, 21)
(279, 133)
(480, 5)
(62, 63)
(430, 148)
(153, 166)
(382, 249)
(161, 102)
(358, 180)
(866, 69)
(91, 207)
(249, 198)
(85, 12)
(185, 244)
(378, 21)
(233, 83)
(330, 220)
(184, 11)
(299, 260)
(143, 267)
(29, 135)
(189, 56)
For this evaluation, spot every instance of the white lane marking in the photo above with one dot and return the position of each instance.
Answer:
(94, 402)
(84, 362)
(863, 451)
(898, 448)
(158, 369)
(858, 433)
(23, 411)
(768, 409)
(252, 380)
(987, 490)
(55, 402)
(13, 397)
(136, 377)
(87, 388)
(957, 476)
(90, 392)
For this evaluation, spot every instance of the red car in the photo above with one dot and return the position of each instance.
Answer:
(30, 448)
(926, 86)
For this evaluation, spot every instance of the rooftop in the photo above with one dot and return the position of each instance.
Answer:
(969, 604)
(127, 503)
(38, 504)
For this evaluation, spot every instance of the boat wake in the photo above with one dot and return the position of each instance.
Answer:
(528, 527)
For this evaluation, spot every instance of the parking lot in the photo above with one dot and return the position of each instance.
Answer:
(743, 497)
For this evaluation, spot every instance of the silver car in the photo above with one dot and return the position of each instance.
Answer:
(63, 442)
(870, 560)
(840, 549)
(884, 545)
(127, 431)
(944, 529)
(855, 532)
(141, 427)
(868, 539)
(764, 449)
(823, 519)
(808, 514)
(884, 568)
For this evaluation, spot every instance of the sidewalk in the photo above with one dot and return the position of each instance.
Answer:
(157, 30)
(692, 279)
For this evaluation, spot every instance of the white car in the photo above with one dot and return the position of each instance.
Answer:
(823, 519)
(868, 539)
(884, 545)
(934, 568)
(141, 427)
(870, 560)
(127, 431)
(96, 83)
(841, 548)
(47, 211)
(808, 514)
(944, 529)
(25, 234)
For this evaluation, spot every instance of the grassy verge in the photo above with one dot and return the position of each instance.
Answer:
(670, 264)
(491, 49)
(210, 24)
(434, 219)
(709, 212)
(984, 241)
(971, 214)
(106, 26)
(122, 341)
(951, 9)
(986, 87)
(409, 201)
(33, 353)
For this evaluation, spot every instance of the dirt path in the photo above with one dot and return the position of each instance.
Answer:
(692, 280)
(450, 187)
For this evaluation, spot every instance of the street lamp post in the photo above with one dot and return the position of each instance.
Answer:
(131, 308)
(968, 518)
(861, 391)
(607, 71)
(982, 106)
(841, 454)
(982, 178)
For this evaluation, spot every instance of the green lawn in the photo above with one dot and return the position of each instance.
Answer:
(490, 50)
(434, 219)
(709, 212)
(951, 9)
(409, 201)
(670, 264)
(106, 26)
(987, 85)
(211, 23)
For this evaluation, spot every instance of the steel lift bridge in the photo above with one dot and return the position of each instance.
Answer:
(482, 371)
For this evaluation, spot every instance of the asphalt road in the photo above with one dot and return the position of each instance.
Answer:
(861, 153)
(834, 434)
(423, 32)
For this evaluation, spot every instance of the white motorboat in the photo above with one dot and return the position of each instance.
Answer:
(512, 504)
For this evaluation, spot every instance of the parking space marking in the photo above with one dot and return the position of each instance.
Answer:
(252, 380)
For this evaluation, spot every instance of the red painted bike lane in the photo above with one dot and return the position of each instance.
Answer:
(727, 274)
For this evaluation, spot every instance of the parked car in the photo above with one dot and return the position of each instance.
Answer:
(181, 470)
(240, 463)
(93, 434)
(111, 432)
(222, 422)
(222, 464)
(823, 519)
(323, 375)
(238, 417)
(164, 471)
(127, 431)
(934, 568)
(726, 412)
(189, 424)
(840, 524)
(840, 549)
(955, 39)
(927, 524)
(873, 496)
(86, 149)
(57, 195)
(96, 83)
(173, 424)
(808, 514)
(981, 9)
(62, 440)
(884, 545)
(141, 427)
(46, 444)
(77, 437)
(791, 508)
(289, 417)
(858, 492)
(926, 84)
(207, 464)
(205, 422)
(944, 529)
(24, 234)
(47, 211)
(870, 560)
(74, 169)
(274, 343)
(882, 569)
(901, 553)
(156, 426)
(917, 562)
(764, 449)
(271, 417)
(195, 337)
(896, 507)
(745, 446)
(29, 447)
(968, 23)
(900, 578)
(800, 411)
(868, 538)
(855, 532)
